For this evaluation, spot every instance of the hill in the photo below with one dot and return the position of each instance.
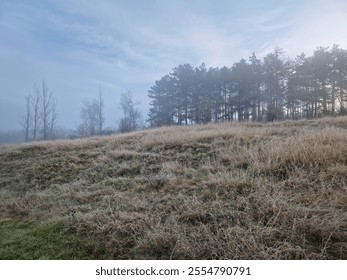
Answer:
(217, 191)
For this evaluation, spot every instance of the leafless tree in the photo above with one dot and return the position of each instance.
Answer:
(132, 118)
(100, 109)
(92, 116)
(89, 123)
(26, 120)
(40, 115)
(48, 111)
(35, 105)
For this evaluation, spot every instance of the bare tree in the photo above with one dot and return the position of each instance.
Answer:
(132, 118)
(89, 115)
(40, 115)
(53, 119)
(35, 105)
(26, 120)
(48, 113)
(101, 118)
(92, 116)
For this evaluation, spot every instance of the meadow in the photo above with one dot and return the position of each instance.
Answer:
(218, 191)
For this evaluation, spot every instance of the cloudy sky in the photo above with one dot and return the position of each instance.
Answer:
(77, 46)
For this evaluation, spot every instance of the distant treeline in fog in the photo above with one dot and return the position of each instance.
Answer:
(268, 89)
(275, 87)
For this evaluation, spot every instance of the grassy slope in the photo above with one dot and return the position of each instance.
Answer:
(236, 191)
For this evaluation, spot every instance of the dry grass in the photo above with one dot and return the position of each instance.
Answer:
(218, 191)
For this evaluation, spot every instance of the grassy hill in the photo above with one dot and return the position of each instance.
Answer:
(230, 190)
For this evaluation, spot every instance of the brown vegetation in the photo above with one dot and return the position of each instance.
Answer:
(217, 191)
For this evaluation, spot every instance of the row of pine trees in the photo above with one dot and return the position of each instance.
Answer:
(273, 88)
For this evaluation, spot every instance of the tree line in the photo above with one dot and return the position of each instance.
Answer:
(268, 89)
(273, 88)
(40, 117)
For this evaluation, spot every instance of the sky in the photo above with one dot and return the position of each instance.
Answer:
(121, 45)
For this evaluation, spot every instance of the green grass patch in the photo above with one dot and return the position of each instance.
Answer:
(29, 241)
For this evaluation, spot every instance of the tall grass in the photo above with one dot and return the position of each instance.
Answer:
(217, 191)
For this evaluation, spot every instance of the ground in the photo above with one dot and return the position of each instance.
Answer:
(216, 191)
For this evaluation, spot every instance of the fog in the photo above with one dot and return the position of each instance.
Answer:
(76, 46)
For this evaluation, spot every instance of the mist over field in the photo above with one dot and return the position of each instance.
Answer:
(78, 47)
(173, 129)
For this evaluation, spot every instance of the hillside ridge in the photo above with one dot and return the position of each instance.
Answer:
(217, 191)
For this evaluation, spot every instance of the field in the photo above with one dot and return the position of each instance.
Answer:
(217, 191)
